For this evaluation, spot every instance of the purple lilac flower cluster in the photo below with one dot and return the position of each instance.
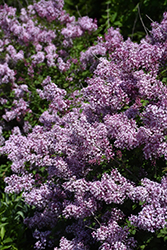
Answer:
(154, 210)
(24, 31)
(65, 165)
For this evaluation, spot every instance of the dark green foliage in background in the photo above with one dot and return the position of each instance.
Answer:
(17, 3)
(120, 13)
(14, 234)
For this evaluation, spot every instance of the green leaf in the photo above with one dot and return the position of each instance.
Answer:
(5, 247)
(113, 17)
(105, 16)
(142, 247)
(2, 232)
(135, 8)
(20, 213)
(108, 10)
(3, 219)
(7, 240)
(134, 206)
(108, 2)
(133, 232)
(118, 23)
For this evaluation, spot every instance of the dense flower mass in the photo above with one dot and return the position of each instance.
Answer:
(81, 123)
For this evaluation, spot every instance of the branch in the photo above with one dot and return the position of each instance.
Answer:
(142, 19)
(158, 26)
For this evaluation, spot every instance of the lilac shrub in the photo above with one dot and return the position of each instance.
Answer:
(153, 214)
(87, 155)
(32, 50)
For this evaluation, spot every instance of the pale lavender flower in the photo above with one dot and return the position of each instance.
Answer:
(38, 58)
(16, 184)
(87, 23)
(114, 236)
(20, 108)
(70, 245)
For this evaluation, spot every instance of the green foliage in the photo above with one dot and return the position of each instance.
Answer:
(14, 234)
(84, 8)
(5, 171)
(18, 4)
(120, 13)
